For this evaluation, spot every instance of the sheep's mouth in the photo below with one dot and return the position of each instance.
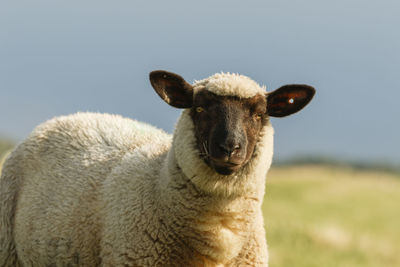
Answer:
(225, 167)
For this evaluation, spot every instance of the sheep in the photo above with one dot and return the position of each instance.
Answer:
(101, 190)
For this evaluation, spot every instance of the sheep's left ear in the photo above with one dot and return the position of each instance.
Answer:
(172, 88)
(289, 99)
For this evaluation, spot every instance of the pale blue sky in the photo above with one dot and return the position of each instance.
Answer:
(63, 57)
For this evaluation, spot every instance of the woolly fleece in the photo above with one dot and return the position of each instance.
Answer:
(230, 84)
(101, 190)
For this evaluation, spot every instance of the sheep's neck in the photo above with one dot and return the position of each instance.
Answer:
(213, 226)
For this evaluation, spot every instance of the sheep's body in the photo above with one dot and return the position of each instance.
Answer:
(99, 189)
(60, 171)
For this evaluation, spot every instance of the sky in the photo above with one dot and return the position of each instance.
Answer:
(61, 57)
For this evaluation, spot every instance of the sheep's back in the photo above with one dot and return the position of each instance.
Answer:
(64, 164)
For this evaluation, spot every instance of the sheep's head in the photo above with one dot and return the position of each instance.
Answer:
(228, 113)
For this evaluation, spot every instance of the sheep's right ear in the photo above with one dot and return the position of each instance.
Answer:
(289, 99)
(172, 88)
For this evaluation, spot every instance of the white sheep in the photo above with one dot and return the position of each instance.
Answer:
(101, 190)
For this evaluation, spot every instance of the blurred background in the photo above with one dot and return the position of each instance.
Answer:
(333, 194)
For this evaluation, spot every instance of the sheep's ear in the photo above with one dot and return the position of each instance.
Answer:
(172, 88)
(289, 99)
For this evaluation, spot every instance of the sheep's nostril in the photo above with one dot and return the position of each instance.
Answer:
(229, 150)
(224, 149)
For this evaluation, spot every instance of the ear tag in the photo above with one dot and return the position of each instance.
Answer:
(291, 101)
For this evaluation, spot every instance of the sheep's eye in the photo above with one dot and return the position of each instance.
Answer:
(258, 116)
(199, 109)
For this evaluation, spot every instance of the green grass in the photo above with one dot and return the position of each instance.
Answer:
(322, 216)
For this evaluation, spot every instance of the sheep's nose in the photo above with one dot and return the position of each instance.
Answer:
(229, 150)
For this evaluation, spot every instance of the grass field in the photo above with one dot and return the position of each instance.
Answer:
(329, 217)
(5, 147)
(2, 159)
(322, 216)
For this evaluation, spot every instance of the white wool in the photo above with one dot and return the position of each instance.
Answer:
(91, 188)
(230, 84)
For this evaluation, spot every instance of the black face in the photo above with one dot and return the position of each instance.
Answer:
(227, 129)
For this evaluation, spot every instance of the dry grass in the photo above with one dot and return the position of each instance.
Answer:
(5, 148)
(322, 216)
(2, 159)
